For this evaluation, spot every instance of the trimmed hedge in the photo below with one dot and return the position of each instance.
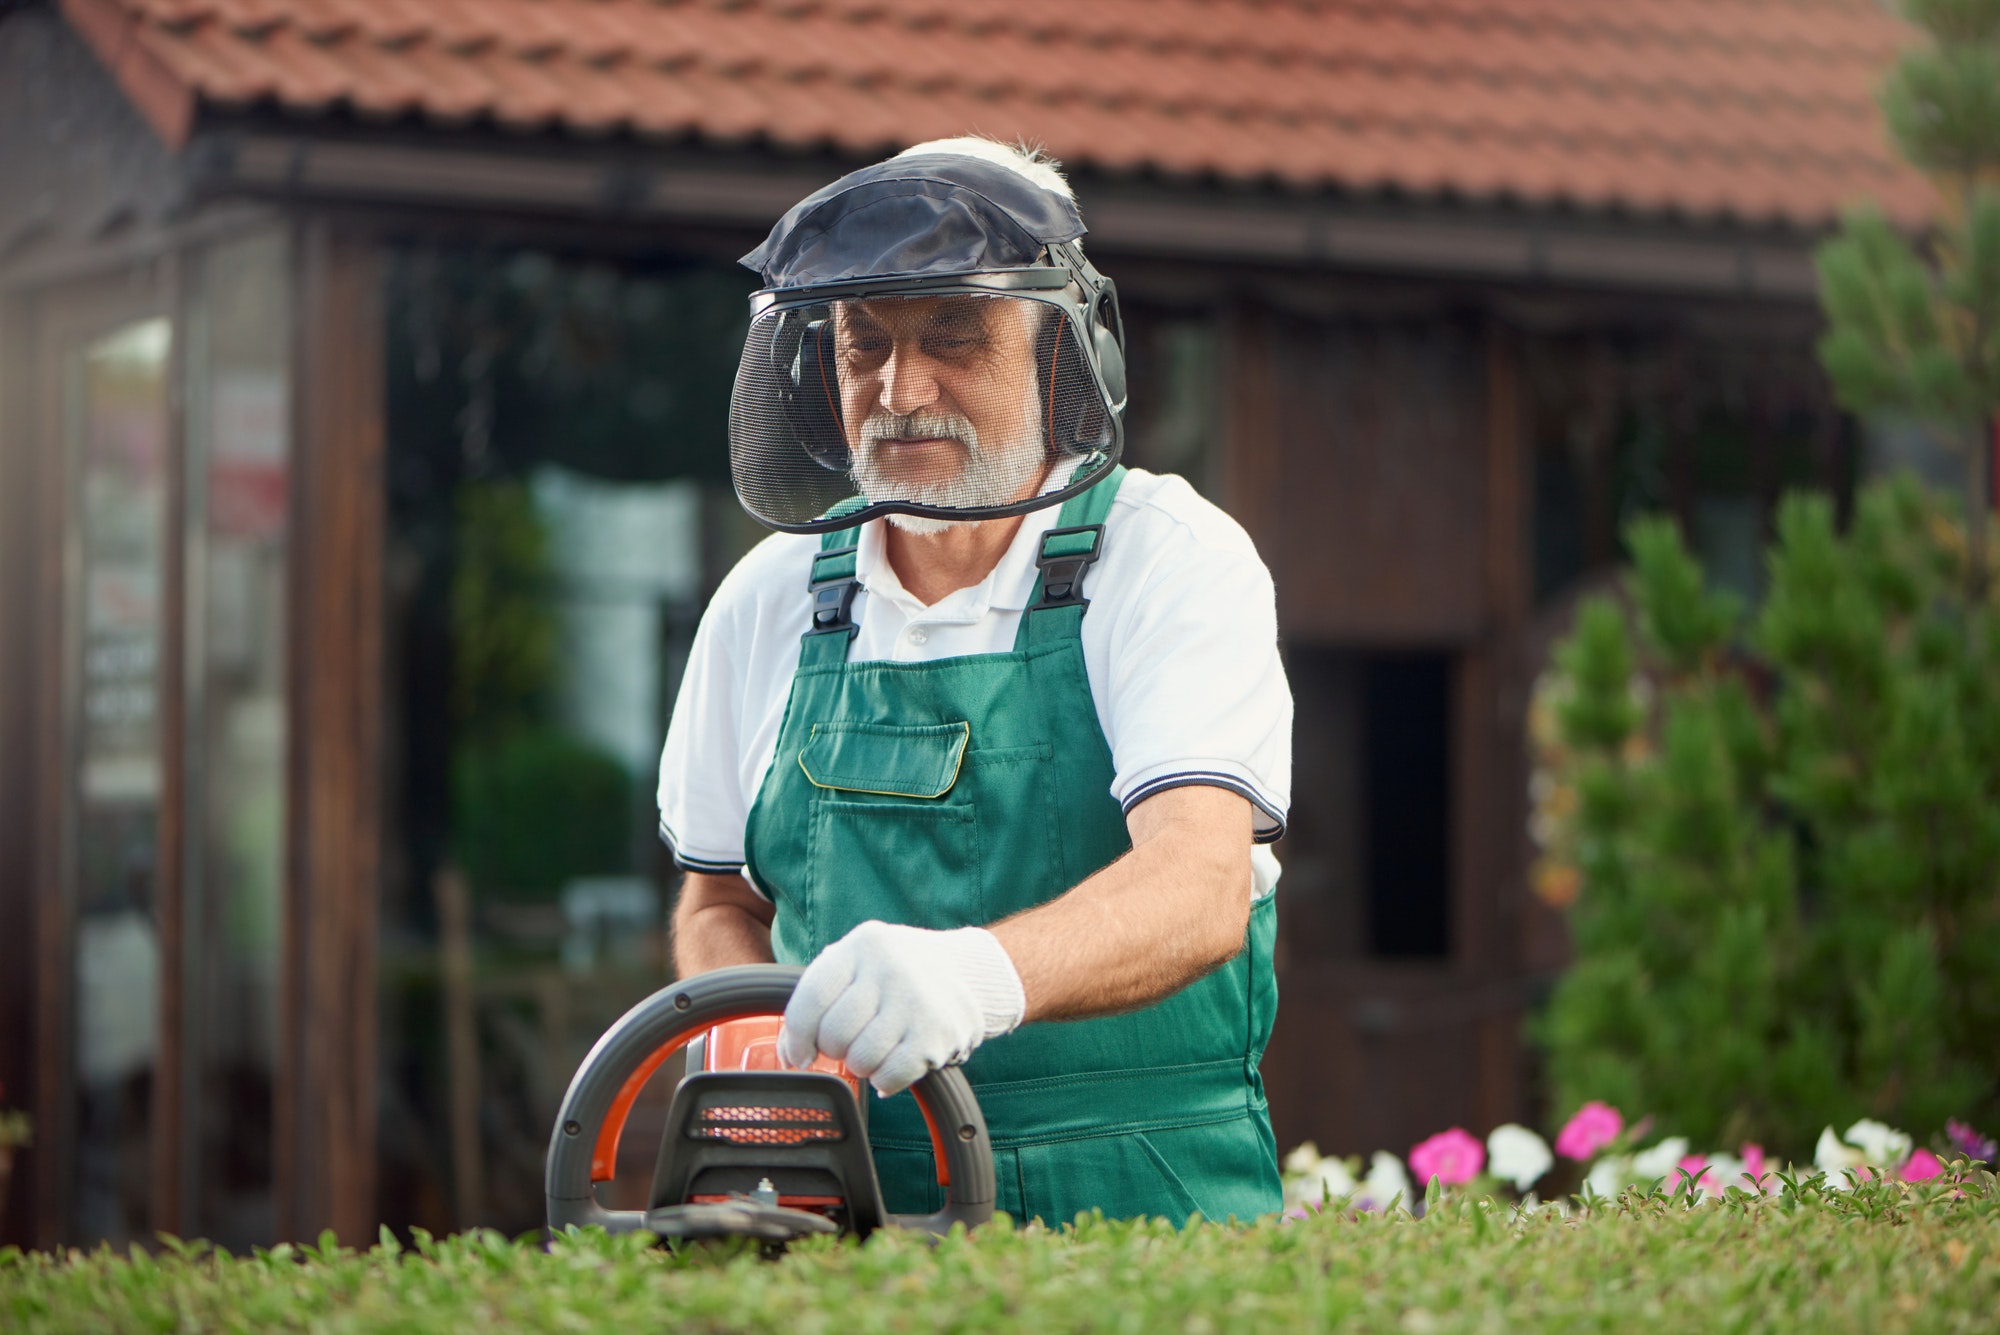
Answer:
(1885, 1256)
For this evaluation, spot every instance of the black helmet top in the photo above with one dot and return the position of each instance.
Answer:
(931, 213)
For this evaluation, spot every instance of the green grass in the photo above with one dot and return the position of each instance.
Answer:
(1886, 1257)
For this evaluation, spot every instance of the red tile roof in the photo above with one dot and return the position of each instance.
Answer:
(1760, 110)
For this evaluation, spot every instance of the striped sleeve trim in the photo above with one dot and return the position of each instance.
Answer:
(687, 863)
(1270, 823)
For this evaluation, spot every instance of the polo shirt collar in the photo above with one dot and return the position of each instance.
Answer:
(1008, 587)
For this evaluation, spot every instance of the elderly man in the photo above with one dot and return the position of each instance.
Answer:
(1002, 822)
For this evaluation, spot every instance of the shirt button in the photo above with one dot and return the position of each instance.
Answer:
(917, 635)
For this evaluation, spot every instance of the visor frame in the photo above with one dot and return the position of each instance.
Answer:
(1052, 285)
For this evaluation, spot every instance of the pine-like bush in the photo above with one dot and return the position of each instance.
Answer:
(1913, 322)
(1782, 835)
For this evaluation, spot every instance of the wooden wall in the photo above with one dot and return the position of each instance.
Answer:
(1386, 460)
(1378, 464)
(78, 163)
(1376, 525)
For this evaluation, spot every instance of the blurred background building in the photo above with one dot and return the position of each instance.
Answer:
(363, 379)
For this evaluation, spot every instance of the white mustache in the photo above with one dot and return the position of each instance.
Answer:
(923, 424)
(984, 477)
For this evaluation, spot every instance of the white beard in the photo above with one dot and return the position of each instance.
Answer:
(923, 526)
(994, 473)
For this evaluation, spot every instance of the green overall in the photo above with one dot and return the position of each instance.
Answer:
(958, 792)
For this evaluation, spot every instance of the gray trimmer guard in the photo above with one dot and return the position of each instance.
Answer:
(583, 1150)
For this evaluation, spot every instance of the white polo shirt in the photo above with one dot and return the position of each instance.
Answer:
(1180, 644)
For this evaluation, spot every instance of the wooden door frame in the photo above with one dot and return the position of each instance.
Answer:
(51, 323)
(324, 1104)
(20, 677)
(325, 1107)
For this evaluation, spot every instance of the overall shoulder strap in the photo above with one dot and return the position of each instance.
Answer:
(1068, 550)
(832, 586)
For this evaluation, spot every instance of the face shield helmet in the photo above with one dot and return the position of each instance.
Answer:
(931, 342)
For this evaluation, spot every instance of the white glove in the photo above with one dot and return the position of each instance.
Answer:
(897, 1002)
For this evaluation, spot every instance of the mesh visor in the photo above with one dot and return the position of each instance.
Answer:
(951, 406)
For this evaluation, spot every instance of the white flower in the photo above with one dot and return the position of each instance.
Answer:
(1834, 1159)
(1328, 1182)
(1313, 1179)
(1885, 1146)
(1517, 1154)
(1608, 1175)
(1660, 1161)
(1303, 1159)
(1386, 1181)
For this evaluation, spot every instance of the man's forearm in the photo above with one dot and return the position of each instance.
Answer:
(718, 923)
(1170, 911)
(717, 938)
(1162, 916)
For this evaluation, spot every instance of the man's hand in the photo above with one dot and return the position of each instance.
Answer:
(896, 1002)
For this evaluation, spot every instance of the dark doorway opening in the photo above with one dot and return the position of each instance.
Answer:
(1406, 802)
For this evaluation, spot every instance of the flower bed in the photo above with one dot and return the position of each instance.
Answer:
(1608, 1153)
(1883, 1255)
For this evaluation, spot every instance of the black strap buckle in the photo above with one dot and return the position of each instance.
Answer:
(833, 607)
(1062, 572)
(833, 599)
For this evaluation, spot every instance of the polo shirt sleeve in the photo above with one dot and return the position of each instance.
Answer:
(1196, 690)
(702, 808)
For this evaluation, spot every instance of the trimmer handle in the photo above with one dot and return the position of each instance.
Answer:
(583, 1150)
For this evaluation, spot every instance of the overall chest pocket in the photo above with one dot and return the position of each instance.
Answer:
(883, 842)
(885, 759)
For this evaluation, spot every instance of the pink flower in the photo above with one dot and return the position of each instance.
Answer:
(1594, 1126)
(1969, 1142)
(1696, 1167)
(1922, 1167)
(1453, 1157)
(1753, 1163)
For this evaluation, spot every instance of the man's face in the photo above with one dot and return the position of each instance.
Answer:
(940, 399)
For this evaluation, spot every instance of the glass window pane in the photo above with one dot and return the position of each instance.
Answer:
(239, 399)
(559, 511)
(117, 443)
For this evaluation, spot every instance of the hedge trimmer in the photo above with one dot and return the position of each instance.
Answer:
(750, 1149)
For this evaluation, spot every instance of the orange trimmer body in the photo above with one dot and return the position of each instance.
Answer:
(752, 1045)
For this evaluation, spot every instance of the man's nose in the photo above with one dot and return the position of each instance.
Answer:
(909, 380)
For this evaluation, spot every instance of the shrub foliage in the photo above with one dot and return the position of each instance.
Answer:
(1913, 323)
(1887, 1256)
(1782, 834)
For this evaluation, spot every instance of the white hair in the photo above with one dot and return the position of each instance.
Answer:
(1030, 161)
